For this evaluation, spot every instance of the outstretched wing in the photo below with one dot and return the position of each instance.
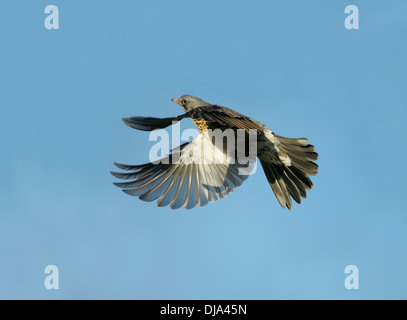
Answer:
(150, 124)
(187, 177)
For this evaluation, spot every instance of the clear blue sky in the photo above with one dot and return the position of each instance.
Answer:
(290, 64)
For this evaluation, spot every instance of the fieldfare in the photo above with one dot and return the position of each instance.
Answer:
(177, 181)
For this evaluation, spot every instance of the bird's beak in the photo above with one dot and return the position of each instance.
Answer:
(177, 101)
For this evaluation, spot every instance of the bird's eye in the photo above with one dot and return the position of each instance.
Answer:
(184, 101)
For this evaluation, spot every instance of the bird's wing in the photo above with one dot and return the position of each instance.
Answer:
(150, 124)
(187, 177)
(225, 117)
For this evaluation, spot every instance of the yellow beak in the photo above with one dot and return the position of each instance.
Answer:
(177, 101)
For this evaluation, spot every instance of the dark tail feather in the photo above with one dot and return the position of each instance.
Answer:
(150, 124)
(273, 174)
(292, 180)
(285, 182)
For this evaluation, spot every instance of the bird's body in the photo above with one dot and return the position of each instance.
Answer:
(177, 181)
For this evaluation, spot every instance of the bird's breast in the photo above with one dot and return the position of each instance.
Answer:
(201, 124)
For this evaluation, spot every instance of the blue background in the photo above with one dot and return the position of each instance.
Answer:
(290, 64)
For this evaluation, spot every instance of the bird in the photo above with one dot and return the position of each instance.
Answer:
(177, 181)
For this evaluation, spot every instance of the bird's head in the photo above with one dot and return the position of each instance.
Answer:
(190, 102)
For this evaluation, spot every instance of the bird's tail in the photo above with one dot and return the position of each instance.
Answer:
(293, 179)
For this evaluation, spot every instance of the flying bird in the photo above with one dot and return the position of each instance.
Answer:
(177, 181)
